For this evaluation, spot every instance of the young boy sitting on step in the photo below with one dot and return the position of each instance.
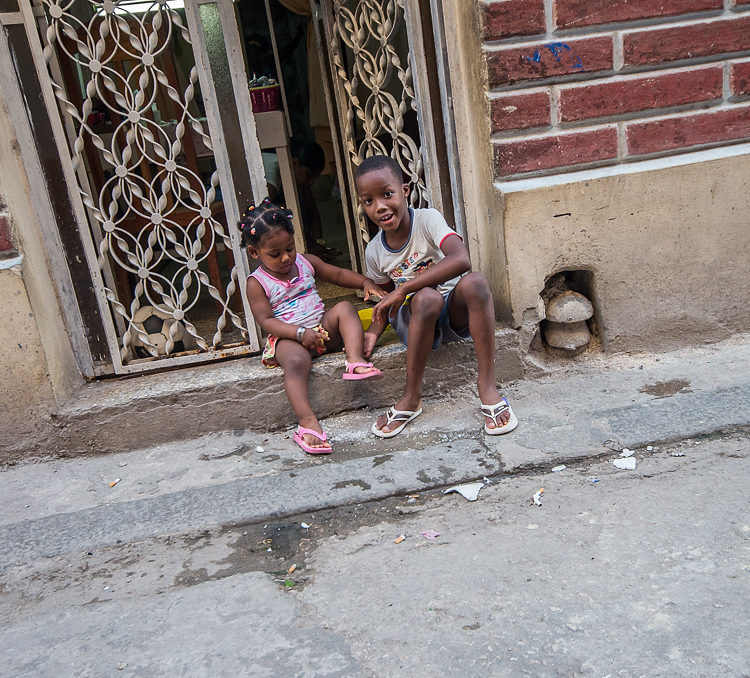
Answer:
(432, 299)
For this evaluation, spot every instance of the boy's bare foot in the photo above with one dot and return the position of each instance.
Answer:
(404, 405)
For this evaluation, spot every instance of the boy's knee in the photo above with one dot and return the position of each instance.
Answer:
(427, 302)
(474, 286)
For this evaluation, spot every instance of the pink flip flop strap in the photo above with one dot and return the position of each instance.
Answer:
(301, 430)
(350, 367)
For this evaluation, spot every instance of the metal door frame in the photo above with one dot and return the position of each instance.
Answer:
(429, 73)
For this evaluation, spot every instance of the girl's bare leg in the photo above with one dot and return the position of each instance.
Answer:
(471, 304)
(295, 359)
(344, 326)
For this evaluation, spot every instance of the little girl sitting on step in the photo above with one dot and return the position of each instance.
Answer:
(287, 306)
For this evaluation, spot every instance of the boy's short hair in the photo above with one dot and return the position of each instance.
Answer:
(379, 162)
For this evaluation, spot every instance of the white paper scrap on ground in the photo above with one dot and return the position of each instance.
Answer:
(468, 491)
(627, 464)
(626, 452)
(561, 467)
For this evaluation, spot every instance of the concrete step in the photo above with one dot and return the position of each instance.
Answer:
(120, 414)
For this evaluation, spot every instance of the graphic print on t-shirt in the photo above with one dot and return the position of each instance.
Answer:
(400, 273)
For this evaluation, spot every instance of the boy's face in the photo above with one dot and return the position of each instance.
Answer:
(383, 198)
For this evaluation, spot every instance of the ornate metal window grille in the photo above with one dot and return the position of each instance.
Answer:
(136, 137)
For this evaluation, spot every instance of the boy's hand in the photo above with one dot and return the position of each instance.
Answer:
(371, 290)
(380, 313)
(371, 338)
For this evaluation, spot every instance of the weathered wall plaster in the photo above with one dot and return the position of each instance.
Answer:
(24, 381)
(669, 250)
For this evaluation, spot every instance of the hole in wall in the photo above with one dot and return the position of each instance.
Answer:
(573, 319)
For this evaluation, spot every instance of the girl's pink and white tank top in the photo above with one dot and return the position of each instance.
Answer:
(294, 301)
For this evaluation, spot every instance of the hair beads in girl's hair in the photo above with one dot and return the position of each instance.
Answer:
(257, 221)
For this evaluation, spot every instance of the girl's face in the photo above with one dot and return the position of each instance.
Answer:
(277, 253)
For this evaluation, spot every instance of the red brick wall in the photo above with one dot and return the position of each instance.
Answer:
(586, 83)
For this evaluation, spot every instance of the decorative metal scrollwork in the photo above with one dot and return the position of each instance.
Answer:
(155, 216)
(378, 88)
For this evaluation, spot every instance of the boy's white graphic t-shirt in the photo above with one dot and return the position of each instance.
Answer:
(427, 232)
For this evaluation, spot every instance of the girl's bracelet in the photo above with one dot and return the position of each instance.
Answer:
(300, 333)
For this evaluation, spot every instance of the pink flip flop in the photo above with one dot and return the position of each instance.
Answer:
(301, 430)
(351, 375)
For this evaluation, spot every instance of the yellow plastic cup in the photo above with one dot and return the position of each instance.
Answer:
(365, 317)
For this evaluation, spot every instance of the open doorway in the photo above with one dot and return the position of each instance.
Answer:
(359, 78)
(284, 74)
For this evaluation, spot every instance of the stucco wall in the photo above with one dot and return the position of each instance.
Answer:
(37, 364)
(24, 381)
(669, 250)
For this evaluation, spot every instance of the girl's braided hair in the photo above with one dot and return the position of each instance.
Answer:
(257, 221)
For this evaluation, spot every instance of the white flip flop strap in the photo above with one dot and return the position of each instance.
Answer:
(494, 411)
(398, 415)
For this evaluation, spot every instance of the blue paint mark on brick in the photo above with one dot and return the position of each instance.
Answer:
(557, 50)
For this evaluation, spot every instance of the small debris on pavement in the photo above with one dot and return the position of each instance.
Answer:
(677, 454)
(468, 491)
(538, 496)
(123, 463)
(304, 526)
(291, 569)
(399, 539)
(532, 526)
(612, 445)
(259, 448)
(625, 464)
(650, 448)
(594, 480)
(114, 482)
(559, 468)
(430, 534)
(626, 452)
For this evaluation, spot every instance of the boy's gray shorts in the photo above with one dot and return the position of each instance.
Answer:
(444, 333)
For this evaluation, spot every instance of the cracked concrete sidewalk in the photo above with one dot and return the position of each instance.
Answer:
(596, 405)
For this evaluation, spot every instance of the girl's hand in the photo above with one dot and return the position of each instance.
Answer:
(381, 311)
(372, 290)
(314, 340)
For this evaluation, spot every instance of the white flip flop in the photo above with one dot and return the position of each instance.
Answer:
(404, 416)
(493, 412)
